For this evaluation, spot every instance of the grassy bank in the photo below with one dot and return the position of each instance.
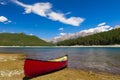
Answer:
(11, 68)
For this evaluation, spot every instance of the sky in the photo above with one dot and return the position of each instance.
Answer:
(58, 19)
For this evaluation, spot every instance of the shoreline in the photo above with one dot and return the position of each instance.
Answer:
(65, 46)
(18, 56)
(13, 69)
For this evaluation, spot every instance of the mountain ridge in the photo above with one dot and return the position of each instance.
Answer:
(21, 39)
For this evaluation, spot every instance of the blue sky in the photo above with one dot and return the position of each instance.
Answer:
(48, 19)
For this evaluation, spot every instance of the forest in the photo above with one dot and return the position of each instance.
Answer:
(111, 37)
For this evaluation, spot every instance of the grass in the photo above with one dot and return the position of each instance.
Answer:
(12, 69)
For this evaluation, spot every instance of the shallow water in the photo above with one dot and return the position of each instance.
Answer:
(93, 58)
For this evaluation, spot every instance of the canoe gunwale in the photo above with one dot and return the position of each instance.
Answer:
(50, 59)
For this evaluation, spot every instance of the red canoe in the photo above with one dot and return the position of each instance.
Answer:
(34, 68)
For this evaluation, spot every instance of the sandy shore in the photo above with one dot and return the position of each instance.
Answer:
(73, 74)
(12, 69)
(11, 57)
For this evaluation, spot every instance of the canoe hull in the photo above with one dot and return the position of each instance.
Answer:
(34, 68)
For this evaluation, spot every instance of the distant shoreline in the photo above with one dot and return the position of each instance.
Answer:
(68, 46)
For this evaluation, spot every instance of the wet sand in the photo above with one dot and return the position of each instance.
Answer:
(11, 68)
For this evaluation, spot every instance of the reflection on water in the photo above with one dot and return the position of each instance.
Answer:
(103, 59)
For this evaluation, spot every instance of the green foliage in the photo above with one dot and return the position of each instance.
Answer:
(111, 37)
(20, 39)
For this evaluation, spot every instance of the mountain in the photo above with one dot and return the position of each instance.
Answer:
(111, 37)
(82, 33)
(20, 39)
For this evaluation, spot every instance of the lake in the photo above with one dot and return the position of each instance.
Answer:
(91, 58)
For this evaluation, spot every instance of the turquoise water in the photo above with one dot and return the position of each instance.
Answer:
(93, 58)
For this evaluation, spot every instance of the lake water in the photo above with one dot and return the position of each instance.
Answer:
(93, 58)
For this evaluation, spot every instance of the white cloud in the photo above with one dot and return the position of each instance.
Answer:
(98, 29)
(3, 2)
(102, 24)
(21, 4)
(75, 21)
(31, 34)
(61, 29)
(67, 13)
(117, 26)
(3, 19)
(44, 9)
(62, 34)
(40, 9)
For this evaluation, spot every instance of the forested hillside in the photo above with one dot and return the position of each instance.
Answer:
(111, 37)
(20, 39)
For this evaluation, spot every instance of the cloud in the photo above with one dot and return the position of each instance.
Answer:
(3, 2)
(116, 27)
(75, 21)
(61, 29)
(102, 24)
(3, 19)
(62, 34)
(40, 9)
(31, 34)
(67, 13)
(44, 9)
(100, 28)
